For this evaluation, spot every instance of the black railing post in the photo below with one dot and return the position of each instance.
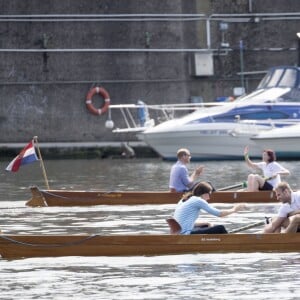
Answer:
(298, 48)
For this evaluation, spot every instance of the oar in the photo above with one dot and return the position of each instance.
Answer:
(248, 227)
(241, 184)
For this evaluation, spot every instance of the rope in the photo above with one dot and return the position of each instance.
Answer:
(48, 245)
(52, 194)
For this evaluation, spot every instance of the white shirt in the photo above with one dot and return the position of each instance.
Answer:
(286, 208)
(270, 170)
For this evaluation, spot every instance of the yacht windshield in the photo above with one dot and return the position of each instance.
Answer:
(280, 77)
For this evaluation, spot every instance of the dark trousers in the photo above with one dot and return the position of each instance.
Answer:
(209, 230)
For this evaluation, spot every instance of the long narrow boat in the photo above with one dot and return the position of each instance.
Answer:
(86, 198)
(22, 246)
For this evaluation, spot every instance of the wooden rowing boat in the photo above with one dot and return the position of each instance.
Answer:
(85, 198)
(22, 246)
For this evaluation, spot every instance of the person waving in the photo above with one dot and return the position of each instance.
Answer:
(271, 169)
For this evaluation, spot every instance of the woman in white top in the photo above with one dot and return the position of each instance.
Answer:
(270, 168)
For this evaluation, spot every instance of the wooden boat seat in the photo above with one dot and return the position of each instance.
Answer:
(175, 227)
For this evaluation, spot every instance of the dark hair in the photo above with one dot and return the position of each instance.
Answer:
(271, 154)
(199, 189)
(202, 188)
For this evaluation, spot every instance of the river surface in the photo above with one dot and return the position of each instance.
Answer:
(197, 276)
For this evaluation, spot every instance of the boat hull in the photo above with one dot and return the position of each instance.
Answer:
(88, 198)
(222, 132)
(217, 141)
(22, 246)
(284, 141)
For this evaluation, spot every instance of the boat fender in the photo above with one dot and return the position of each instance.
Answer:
(89, 102)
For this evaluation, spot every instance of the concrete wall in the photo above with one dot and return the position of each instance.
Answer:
(43, 93)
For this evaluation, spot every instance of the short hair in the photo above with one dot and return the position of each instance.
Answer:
(182, 151)
(271, 155)
(282, 186)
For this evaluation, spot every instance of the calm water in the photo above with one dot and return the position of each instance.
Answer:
(199, 276)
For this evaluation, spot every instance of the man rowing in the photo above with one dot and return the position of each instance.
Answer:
(288, 216)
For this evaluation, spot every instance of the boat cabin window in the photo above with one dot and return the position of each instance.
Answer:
(265, 116)
(258, 115)
(280, 77)
(264, 81)
(289, 78)
(275, 78)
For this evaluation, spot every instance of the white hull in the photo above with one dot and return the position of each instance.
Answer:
(223, 141)
(284, 141)
(222, 132)
(214, 133)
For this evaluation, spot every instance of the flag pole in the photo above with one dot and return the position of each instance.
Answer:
(35, 139)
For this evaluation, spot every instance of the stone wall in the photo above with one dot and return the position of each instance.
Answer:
(43, 89)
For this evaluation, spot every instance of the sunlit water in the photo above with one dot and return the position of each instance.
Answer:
(197, 276)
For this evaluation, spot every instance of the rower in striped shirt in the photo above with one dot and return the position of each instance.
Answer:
(190, 206)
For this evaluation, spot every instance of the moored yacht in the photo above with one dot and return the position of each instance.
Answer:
(222, 132)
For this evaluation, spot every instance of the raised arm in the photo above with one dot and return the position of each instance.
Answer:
(247, 159)
(197, 172)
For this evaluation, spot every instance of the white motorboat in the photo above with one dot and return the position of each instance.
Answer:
(223, 132)
(284, 141)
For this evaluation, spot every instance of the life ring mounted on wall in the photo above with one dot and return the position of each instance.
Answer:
(89, 102)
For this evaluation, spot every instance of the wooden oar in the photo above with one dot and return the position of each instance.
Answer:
(241, 184)
(248, 227)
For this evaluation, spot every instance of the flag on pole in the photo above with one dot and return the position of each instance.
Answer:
(26, 156)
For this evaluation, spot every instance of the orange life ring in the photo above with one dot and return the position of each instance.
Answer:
(89, 103)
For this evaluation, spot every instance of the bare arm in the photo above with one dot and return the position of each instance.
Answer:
(247, 159)
(275, 225)
(197, 172)
(295, 212)
(284, 171)
(232, 210)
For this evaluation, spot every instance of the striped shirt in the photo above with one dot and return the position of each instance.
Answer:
(187, 212)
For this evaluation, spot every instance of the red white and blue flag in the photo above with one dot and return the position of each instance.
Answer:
(26, 156)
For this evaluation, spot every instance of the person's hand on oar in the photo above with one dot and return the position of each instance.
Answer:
(234, 209)
(240, 206)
